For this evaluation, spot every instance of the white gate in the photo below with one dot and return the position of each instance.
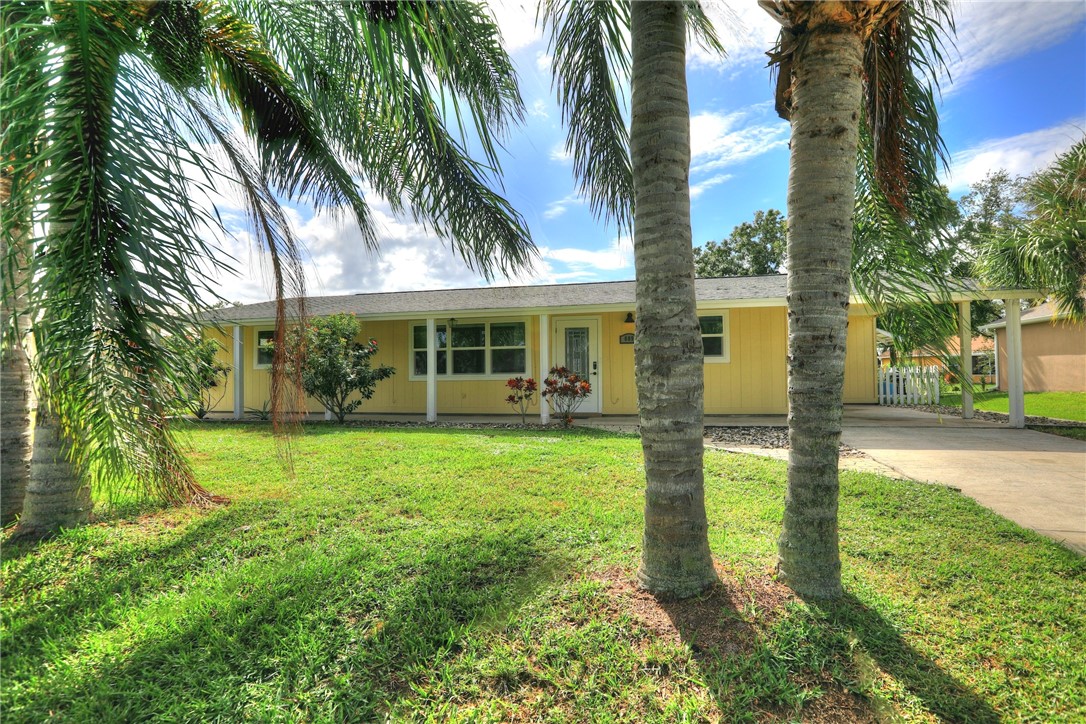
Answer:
(909, 385)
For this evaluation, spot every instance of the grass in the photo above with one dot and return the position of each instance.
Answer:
(1075, 433)
(485, 575)
(1057, 405)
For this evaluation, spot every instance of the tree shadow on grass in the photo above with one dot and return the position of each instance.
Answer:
(881, 643)
(763, 655)
(338, 633)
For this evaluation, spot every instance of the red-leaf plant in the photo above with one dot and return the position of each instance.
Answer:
(565, 391)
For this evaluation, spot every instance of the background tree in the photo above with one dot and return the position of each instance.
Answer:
(753, 248)
(335, 366)
(122, 102)
(650, 180)
(847, 72)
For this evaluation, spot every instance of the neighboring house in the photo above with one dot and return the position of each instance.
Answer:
(481, 337)
(1053, 351)
(983, 353)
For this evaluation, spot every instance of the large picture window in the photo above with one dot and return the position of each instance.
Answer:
(714, 337)
(478, 349)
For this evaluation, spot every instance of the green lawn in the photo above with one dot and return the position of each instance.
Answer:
(1058, 405)
(484, 575)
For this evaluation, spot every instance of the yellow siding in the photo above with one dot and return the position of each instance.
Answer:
(752, 382)
(225, 339)
(861, 360)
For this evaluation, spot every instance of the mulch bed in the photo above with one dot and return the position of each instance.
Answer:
(764, 437)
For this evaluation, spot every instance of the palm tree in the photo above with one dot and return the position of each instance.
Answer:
(128, 109)
(1048, 250)
(846, 69)
(651, 181)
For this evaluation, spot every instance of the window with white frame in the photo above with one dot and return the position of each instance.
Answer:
(418, 350)
(714, 336)
(479, 349)
(265, 351)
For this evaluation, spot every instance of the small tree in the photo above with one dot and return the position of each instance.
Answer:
(333, 365)
(521, 391)
(565, 391)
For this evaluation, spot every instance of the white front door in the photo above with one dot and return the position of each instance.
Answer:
(577, 348)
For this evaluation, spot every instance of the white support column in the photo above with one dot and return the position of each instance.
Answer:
(431, 370)
(239, 373)
(965, 347)
(1016, 399)
(544, 364)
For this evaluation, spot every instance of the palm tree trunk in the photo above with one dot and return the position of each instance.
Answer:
(56, 496)
(668, 355)
(826, 104)
(16, 384)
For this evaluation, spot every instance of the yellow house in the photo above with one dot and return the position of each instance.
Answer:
(482, 337)
(454, 349)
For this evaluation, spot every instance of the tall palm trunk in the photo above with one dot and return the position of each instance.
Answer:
(56, 496)
(669, 368)
(16, 384)
(826, 102)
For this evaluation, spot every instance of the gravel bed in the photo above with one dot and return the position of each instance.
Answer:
(952, 411)
(766, 437)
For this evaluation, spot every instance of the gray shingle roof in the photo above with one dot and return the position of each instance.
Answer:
(595, 294)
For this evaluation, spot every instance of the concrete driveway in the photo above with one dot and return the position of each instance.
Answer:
(1036, 480)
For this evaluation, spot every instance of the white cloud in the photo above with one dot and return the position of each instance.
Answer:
(538, 109)
(560, 154)
(745, 30)
(516, 20)
(701, 187)
(995, 31)
(1019, 155)
(718, 140)
(543, 63)
(557, 208)
(619, 255)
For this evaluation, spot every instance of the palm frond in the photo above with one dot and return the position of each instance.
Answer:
(591, 64)
(275, 236)
(701, 27)
(108, 275)
(902, 59)
(377, 82)
(1048, 251)
(297, 156)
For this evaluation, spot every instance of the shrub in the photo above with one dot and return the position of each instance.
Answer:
(334, 367)
(523, 390)
(203, 381)
(565, 392)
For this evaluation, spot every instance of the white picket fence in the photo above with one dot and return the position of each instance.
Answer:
(909, 385)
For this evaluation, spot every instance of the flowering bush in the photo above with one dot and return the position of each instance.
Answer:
(522, 391)
(565, 391)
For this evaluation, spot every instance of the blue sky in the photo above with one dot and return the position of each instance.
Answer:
(1016, 98)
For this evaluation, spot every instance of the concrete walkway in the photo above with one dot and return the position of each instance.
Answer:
(1035, 479)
